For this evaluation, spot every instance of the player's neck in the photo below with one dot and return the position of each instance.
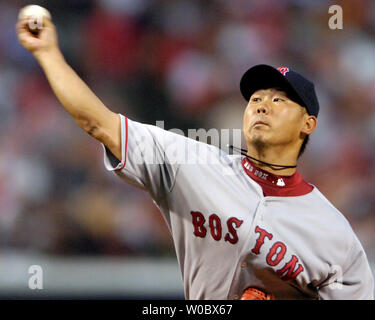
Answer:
(276, 155)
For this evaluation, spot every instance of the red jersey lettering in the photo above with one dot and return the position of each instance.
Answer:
(215, 226)
(290, 269)
(276, 253)
(198, 223)
(233, 224)
(260, 241)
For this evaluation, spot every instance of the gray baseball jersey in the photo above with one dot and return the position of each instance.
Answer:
(235, 226)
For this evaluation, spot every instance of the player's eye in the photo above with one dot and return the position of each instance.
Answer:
(278, 99)
(255, 99)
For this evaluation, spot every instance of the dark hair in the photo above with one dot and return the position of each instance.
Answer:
(303, 147)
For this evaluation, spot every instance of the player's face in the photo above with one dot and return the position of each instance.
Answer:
(271, 118)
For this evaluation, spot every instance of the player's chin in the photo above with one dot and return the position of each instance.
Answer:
(258, 139)
(261, 134)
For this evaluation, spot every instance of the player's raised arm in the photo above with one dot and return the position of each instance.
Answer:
(75, 96)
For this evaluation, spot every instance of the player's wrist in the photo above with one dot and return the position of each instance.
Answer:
(45, 56)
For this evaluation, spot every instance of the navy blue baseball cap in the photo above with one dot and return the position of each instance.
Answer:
(297, 87)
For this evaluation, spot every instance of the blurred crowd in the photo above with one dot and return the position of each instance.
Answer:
(179, 61)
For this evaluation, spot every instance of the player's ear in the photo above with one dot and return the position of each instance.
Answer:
(309, 124)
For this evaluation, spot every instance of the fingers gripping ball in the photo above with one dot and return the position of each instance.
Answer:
(36, 15)
(256, 294)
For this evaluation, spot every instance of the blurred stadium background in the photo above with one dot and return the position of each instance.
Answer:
(179, 61)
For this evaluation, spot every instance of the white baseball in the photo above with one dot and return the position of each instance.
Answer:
(36, 14)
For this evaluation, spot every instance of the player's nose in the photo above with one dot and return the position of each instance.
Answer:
(263, 108)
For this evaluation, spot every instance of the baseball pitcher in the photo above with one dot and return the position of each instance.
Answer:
(244, 226)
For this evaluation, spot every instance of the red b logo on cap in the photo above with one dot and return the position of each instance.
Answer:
(283, 70)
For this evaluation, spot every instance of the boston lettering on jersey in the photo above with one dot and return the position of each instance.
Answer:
(276, 254)
(215, 226)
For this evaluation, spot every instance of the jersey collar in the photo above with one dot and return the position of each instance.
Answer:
(276, 185)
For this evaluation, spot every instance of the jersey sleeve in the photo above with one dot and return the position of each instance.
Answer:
(151, 156)
(353, 280)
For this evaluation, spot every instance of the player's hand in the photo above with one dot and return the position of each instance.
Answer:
(43, 42)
